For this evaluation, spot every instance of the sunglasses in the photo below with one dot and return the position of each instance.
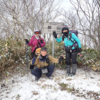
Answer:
(37, 32)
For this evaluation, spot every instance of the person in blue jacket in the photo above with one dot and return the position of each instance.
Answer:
(71, 50)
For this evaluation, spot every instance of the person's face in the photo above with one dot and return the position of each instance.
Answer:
(43, 53)
(37, 34)
(65, 31)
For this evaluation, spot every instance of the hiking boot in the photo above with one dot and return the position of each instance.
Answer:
(68, 74)
(36, 78)
(72, 74)
(50, 77)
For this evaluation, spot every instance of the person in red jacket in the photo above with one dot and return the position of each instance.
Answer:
(35, 42)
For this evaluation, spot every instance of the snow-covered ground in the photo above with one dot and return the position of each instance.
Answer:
(82, 86)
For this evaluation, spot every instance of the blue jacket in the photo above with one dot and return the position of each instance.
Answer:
(68, 42)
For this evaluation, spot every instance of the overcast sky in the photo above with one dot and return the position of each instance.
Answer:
(66, 4)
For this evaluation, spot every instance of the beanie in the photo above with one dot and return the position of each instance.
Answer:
(65, 27)
(43, 49)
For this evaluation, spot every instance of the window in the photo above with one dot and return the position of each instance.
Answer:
(49, 27)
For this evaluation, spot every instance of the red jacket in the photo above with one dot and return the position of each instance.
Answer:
(34, 43)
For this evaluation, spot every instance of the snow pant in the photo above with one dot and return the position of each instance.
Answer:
(38, 72)
(71, 55)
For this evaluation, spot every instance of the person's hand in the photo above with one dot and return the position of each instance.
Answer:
(79, 50)
(54, 34)
(61, 58)
(31, 66)
(26, 41)
(41, 40)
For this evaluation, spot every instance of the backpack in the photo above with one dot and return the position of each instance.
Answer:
(76, 33)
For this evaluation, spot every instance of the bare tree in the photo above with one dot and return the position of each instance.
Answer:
(90, 12)
(70, 19)
(19, 17)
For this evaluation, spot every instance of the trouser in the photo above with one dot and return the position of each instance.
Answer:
(71, 55)
(37, 72)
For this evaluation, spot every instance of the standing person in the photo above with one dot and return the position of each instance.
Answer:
(42, 64)
(35, 42)
(71, 50)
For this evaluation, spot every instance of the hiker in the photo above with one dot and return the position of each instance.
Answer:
(35, 42)
(72, 47)
(42, 64)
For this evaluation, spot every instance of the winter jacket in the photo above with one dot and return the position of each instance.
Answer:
(68, 42)
(40, 62)
(34, 43)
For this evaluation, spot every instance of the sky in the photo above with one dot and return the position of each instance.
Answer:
(66, 4)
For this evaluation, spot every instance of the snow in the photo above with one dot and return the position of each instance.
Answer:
(23, 86)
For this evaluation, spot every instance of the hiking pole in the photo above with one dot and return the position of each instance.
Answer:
(53, 47)
(26, 51)
(26, 55)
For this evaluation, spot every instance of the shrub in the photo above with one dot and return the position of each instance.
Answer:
(12, 53)
(88, 57)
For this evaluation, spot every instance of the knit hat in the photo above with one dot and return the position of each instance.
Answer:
(65, 27)
(43, 49)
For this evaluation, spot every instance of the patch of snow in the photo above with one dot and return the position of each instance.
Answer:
(24, 87)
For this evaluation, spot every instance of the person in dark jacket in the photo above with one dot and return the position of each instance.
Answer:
(71, 50)
(42, 63)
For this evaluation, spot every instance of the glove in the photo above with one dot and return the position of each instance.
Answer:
(31, 66)
(26, 41)
(38, 43)
(41, 41)
(60, 59)
(54, 34)
(79, 50)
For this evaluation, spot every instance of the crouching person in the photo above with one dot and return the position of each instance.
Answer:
(43, 64)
